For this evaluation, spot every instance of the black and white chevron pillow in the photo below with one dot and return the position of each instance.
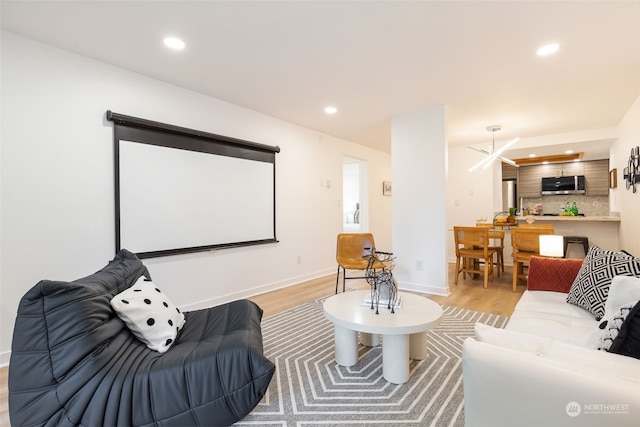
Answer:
(591, 286)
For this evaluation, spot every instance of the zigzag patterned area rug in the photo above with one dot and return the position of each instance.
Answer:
(310, 389)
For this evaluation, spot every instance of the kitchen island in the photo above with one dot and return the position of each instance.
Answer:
(543, 218)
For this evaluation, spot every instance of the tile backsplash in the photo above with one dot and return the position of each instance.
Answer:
(588, 205)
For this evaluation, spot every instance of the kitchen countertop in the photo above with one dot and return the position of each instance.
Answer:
(570, 218)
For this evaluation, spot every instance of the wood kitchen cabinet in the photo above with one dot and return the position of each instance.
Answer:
(551, 170)
(509, 172)
(562, 169)
(530, 181)
(596, 175)
(573, 168)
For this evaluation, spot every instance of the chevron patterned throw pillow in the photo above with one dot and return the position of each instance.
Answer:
(591, 287)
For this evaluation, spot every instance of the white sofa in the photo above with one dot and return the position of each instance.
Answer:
(541, 370)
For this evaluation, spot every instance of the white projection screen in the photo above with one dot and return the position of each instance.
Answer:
(179, 190)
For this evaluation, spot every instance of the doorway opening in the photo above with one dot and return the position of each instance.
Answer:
(355, 208)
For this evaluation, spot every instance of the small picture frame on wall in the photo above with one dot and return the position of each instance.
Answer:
(613, 178)
(386, 188)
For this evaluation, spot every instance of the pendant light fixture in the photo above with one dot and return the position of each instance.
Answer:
(493, 154)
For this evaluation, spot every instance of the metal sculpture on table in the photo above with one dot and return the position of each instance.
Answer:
(379, 276)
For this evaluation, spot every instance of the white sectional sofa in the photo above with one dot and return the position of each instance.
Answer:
(543, 368)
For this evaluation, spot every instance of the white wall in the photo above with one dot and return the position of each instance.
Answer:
(620, 199)
(57, 198)
(419, 149)
(470, 195)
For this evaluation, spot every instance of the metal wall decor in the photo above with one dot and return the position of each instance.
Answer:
(632, 171)
(384, 288)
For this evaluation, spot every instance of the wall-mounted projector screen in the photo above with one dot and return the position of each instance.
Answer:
(180, 190)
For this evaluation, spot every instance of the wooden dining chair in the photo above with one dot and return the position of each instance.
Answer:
(472, 250)
(496, 237)
(352, 253)
(525, 243)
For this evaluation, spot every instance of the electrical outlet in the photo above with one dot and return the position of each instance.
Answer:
(299, 260)
(419, 264)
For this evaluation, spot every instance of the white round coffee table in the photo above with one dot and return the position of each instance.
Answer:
(403, 332)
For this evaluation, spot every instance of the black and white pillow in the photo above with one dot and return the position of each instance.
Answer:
(591, 287)
(624, 293)
(149, 314)
(611, 326)
(627, 342)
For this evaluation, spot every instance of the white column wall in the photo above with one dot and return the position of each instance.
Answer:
(419, 159)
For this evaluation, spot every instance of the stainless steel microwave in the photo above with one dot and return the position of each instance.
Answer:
(563, 185)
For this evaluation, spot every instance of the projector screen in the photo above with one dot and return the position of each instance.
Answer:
(180, 190)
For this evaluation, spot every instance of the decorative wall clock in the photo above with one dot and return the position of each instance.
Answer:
(632, 171)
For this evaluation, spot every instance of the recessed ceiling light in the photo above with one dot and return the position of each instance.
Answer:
(174, 43)
(330, 110)
(547, 49)
(532, 155)
(546, 162)
(568, 152)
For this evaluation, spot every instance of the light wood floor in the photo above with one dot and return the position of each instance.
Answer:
(498, 298)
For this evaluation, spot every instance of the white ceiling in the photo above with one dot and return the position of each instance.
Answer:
(375, 60)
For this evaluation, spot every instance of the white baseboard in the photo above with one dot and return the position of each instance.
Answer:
(4, 358)
(425, 289)
(257, 290)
